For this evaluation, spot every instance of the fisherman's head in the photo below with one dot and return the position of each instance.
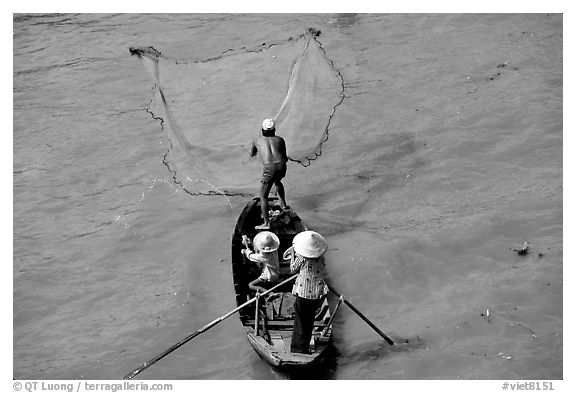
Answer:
(268, 127)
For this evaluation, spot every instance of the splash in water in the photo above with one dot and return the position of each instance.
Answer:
(212, 108)
(153, 185)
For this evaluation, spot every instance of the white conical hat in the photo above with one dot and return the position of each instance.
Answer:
(266, 241)
(309, 244)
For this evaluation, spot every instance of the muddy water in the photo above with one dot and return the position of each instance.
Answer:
(445, 155)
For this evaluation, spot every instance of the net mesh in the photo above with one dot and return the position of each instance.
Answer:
(210, 109)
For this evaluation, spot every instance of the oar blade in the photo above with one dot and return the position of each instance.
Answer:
(363, 317)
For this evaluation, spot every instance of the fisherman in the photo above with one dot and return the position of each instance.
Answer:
(266, 255)
(307, 258)
(272, 151)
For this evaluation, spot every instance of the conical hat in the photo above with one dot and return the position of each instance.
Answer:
(309, 244)
(266, 241)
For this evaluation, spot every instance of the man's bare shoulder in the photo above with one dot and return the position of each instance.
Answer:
(262, 140)
(269, 139)
(276, 139)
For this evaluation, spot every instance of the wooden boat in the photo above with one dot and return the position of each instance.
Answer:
(270, 330)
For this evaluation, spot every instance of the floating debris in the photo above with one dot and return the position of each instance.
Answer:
(501, 354)
(493, 77)
(487, 316)
(524, 250)
(507, 64)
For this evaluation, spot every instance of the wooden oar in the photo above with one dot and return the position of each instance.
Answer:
(150, 362)
(385, 337)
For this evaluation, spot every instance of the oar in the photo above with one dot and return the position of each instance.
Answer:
(385, 337)
(150, 362)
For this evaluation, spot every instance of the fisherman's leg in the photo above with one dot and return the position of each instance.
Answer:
(279, 186)
(264, 191)
(281, 195)
(256, 285)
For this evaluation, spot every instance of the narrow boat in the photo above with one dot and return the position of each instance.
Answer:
(269, 331)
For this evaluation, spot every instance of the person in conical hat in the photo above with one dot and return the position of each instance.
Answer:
(272, 151)
(265, 254)
(307, 258)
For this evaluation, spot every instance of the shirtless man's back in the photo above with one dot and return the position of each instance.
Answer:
(272, 151)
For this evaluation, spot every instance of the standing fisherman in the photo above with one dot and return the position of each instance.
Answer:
(272, 151)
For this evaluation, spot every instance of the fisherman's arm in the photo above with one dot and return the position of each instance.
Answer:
(283, 148)
(253, 149)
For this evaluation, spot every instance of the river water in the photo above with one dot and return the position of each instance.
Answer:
(444, 157)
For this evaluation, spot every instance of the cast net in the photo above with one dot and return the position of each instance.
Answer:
(211, 109)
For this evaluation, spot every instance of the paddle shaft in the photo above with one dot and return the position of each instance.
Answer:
(150, 362)
(364, 318)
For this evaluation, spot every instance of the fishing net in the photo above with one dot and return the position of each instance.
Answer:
(211, 109)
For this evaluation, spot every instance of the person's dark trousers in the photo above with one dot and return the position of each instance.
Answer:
(304, 312)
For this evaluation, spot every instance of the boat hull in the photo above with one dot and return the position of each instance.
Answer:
(269, 331)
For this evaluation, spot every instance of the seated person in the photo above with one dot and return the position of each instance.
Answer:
(265, 254)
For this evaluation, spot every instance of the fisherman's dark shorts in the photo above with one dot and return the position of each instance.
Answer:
(273, 173)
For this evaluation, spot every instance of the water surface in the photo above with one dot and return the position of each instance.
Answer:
(445, 155)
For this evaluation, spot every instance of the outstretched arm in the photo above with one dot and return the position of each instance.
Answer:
(253, 149)
(283, 148)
